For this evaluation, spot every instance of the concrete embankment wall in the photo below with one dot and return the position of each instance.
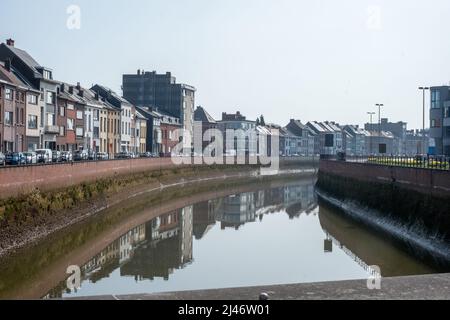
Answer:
(22, 180)
(418, 198)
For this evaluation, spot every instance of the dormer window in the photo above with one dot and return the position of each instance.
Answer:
(47, 75)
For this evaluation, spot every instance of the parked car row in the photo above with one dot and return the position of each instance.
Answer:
(44, 156)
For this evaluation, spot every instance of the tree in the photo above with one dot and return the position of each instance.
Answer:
(261, 121)
(257, 121)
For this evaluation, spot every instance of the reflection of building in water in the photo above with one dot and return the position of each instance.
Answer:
(164, 244)
(203, 218)
(129, 240)
(168, 246)
(299, 199)
(187, 233)
(236, 210)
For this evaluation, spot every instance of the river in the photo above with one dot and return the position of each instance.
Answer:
(270, 234)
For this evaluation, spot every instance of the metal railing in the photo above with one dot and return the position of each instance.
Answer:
(420, 162)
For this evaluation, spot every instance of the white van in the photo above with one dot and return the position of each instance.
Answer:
(44, 155)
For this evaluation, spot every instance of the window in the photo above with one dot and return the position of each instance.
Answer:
(435, 99)
(8, 118)
(62, 111)
(79, 114)
(79, 132)
(50, 119)
(8, 94)
(62, 131)
(32, 99)
(435, 123)
(447, 132)
(70, 106)
(69, 124)
(50, 97)
(47, 75)
(32, 122)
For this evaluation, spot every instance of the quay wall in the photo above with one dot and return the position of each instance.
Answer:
(418, 199)
(20, 180)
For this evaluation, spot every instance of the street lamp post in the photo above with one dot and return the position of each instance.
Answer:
(371, 114)
(423, 119)
(379, 105)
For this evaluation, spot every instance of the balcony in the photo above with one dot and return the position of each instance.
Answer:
(51, 129)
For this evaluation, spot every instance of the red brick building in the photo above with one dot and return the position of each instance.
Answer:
(170, 132)
(13, 94)
(65, 119)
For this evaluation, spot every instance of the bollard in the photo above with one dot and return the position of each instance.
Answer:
(263, 296)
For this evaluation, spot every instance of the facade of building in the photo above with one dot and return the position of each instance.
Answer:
(241, 142)
(125, 108)
(149, 89)
(66, 118)
(398, 130)
(41, 78)
(206, 122)
(153, 135)
(440, 120)
(381, 143)
(92, 116)
(13, 100)
(112, 129)
(328, 137)
(416, 142)
(141, 127)
(171, 128)
(355, 140)
(305, 141)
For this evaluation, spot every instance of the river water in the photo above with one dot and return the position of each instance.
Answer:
(268, 235)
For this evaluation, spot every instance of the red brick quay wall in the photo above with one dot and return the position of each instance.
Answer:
(17, 180)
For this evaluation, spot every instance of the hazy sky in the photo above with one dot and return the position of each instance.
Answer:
(309, 60)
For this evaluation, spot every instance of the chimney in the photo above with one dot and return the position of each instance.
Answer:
(78, 86)
(8, 65)
(10, 42)
(139, 72)
(71, 89)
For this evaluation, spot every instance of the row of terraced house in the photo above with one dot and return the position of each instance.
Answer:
(37, 111)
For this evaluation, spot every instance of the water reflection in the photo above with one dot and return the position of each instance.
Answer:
(271, 236)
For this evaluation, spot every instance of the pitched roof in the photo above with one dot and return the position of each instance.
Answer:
(113, 94)
(202, 115)
(9, 76)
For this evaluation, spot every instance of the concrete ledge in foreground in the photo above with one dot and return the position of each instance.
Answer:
(433, 287)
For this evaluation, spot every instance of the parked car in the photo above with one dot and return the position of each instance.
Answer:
(56, 156)
(30, 157)
(66, 156)
(15, 159)
(2, 159)
(44, 155)
(146, 155)
(123, 155)
(102, 156)
(81, 155)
